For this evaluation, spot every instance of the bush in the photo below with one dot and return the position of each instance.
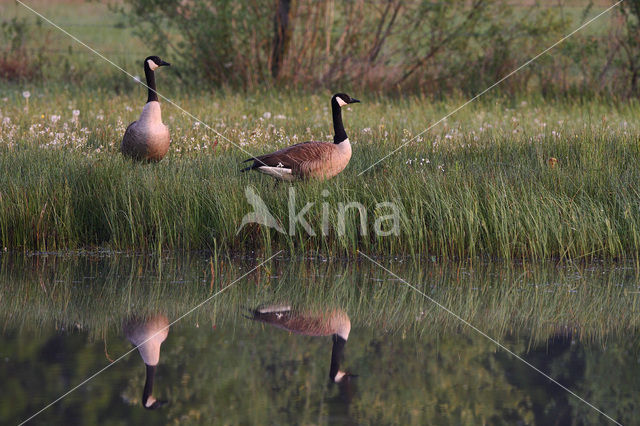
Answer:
(17, 61)
(379, 45)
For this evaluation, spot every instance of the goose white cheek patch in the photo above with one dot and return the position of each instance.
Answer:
(152, 65)
(150, 401)
(340, 101)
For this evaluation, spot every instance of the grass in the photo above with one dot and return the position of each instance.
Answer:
(95, 294)
(478, 185)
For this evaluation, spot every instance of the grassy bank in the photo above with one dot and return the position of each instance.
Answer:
(477, 185)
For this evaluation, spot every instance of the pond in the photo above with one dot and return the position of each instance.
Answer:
(315, 341)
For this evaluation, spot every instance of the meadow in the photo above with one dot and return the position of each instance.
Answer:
(477, 185)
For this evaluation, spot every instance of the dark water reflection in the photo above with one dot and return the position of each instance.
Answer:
(344, 360)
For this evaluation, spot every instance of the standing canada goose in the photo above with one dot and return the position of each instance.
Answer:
(148, 137)
(321, 160)
(332, 322)
(148, 335)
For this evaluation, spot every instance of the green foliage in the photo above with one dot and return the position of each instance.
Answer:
(214, 42)
(419, 45)
(628, 39)
(17, 61)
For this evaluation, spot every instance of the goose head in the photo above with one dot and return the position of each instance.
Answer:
(342, 99)
(154, 62)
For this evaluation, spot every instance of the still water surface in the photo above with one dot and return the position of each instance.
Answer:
(310, 341)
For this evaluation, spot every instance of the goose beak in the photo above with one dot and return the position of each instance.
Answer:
(354, 101)
(165, 64)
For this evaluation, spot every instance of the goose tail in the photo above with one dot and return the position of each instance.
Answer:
(251, 167)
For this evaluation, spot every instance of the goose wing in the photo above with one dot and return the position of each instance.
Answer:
(295, 157)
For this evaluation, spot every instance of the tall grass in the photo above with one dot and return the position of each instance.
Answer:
(96, 293)
(478, 185)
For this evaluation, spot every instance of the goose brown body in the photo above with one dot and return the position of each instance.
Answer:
(318, 160)
(309, 323)
(147, 138)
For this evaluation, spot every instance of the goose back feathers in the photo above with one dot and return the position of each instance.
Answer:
(306, 323)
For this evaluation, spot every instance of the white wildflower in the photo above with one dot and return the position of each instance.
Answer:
(26, 94)
(267, 115)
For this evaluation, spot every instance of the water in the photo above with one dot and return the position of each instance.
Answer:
(406, 360)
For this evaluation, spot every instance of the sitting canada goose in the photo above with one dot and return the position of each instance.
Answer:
(148, 334)
(321, 160)
(334, 322)
(148, 137)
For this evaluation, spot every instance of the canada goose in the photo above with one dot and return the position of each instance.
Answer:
(321, 160)
(334, 322)
(148, 137)
(148, 334)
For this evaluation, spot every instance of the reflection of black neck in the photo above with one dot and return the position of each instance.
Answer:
(338, 127)
(151, 83)
(148, 385)
(337, 354)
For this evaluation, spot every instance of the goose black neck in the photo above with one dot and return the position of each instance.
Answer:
(338, 127)
(337, 355)
(151, 83)
(148, 384)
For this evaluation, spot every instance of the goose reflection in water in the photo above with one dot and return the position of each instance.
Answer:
(333, 323)
(148, 334)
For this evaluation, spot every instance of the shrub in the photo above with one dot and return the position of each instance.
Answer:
(379, 44)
